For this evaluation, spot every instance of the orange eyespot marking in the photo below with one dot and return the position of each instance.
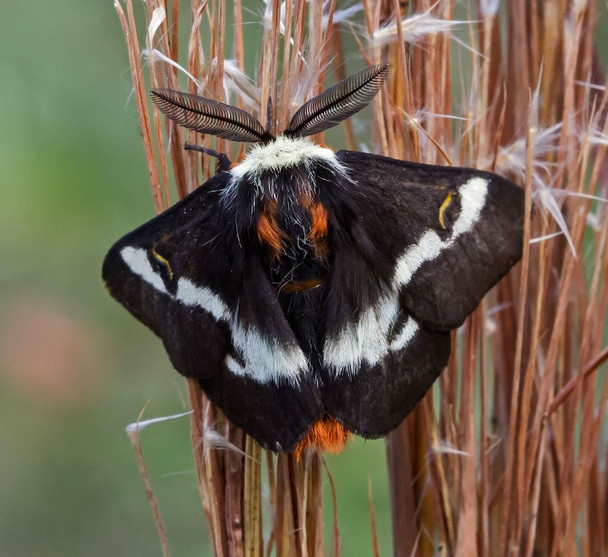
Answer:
(443, 207)
(164, 261)
(268, 230)
(327, 434)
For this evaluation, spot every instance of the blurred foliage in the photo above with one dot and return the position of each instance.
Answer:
(75, 368)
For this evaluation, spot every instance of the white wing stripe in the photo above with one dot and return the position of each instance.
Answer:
(192, 295)
(473, 198)
(367, 339)
(265, 359)
(137, 260)
(409, 329)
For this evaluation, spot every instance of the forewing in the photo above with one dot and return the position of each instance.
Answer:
(449, 233)
(188, 277)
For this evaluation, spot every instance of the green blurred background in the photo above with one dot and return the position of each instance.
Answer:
(75, 368)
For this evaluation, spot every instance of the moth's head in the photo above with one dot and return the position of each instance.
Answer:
(317, 115)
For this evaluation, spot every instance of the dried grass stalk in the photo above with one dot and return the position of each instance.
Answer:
(509, 455)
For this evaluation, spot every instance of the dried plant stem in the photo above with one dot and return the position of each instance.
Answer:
(336, 546)
(252, 501)
(143, 473)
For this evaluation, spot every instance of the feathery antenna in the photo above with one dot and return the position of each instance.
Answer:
(209, 116)
(337, 103)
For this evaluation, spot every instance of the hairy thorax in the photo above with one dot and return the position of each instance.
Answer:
(279, 186)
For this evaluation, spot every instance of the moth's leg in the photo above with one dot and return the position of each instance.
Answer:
(225, 162)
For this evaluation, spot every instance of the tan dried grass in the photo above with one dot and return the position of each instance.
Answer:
(508, 455)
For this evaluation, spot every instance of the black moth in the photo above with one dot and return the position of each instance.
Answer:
(311, 293)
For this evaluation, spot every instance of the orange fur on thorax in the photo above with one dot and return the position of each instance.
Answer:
(319, 221)
(327, 434)
(268, 229)
(319, 225)
(269, 232)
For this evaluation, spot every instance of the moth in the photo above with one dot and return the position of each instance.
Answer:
(311, 293)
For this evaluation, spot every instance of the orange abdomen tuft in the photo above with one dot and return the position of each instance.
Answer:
(327, 434)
